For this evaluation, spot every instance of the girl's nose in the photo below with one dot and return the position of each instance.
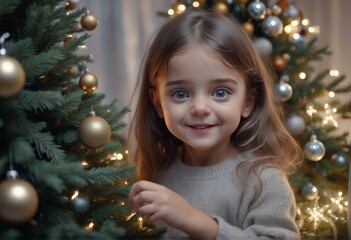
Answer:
(200, 107)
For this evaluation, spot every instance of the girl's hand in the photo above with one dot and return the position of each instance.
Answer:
(155, 202)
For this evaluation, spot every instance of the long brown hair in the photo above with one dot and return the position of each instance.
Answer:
(263, 133)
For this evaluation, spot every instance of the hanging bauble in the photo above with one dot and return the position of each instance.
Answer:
(88, 82)
(272, 26)
(88, 21)
(295, 124)
(309, 191)
(276, 10)
(72, 4)
(297, 39)
(291, 12)
(284, 91)
(249, 27)
(72, 71)
(80, 204)
(340, 161)
(257, 10)
(69, 38)
(314, 149)
(18, 201)
(94, 131)
(221, 7)
(263, 46)
(243, 2)
(278, 63)
(12, 76)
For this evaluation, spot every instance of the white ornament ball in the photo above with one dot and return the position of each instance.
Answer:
(257, 10)
(272, 26)
(295, 124)
(314, 149)
(284, 91)
(263, 46)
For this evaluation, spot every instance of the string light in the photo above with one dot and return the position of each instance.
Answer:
(329, 117)
(90, 226)
(196, 4)
(170, 12)
(305, 22)
(311, 110)
(130, 216)
(76, 193)
(140, 220)
(334, 72)
(302, 75)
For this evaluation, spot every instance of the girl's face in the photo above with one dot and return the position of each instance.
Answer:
(201, 99)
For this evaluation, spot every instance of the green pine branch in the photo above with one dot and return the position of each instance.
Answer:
(39, 101)
(8, 6)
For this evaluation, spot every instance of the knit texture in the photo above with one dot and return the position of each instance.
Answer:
(242, 212)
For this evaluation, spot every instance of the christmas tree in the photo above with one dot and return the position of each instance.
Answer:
(62, 173)
(289, 42)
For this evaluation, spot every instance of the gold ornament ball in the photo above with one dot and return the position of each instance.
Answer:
(221, 7)
(18, 201)
(12, 76)
(94, 132)
(88, 82)
(89, 22)
(249, 27)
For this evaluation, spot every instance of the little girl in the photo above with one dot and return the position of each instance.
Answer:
(212, 152)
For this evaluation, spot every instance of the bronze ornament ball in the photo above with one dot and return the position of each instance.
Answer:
(94, 132)
(88, 82)
(12, 76)
(89, 22)
(18, 202)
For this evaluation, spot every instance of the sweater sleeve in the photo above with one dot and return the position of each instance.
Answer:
(271, 215)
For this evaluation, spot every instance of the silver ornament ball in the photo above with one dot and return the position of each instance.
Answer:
(295, 124)
(276, 10)
(314, 149)
(309, 191)
(80, 204)
(340, 161)
(284, 91)
(263, 46)
(291, 12)
(272, 26)
(257, 10)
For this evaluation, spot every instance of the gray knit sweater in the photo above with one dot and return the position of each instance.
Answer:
(241, 211)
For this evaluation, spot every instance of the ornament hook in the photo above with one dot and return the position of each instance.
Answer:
(2, 40)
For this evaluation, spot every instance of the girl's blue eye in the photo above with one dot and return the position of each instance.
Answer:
(180, 94)
(220, 93)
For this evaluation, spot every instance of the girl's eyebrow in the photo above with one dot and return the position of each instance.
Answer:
(175, 82)
(224, 80)
(213, 81)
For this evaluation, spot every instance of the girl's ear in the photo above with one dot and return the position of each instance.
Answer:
(153, 94)
(248, 106)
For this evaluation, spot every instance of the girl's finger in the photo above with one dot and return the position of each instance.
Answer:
(144, 197)
(142, 186)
